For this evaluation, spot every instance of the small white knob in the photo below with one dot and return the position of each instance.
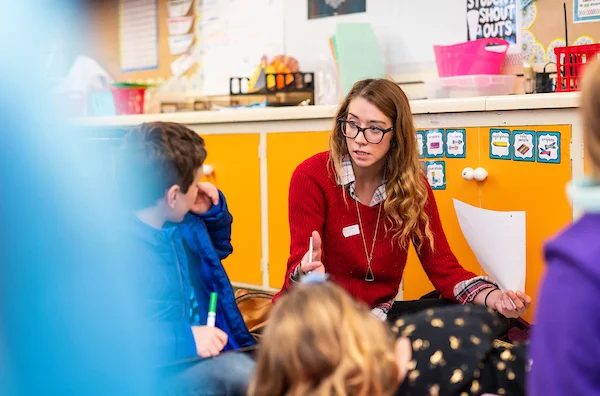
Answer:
(207, 169)
(468, 174)
(480, 174)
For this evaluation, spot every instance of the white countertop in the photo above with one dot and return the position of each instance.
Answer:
(434, 106)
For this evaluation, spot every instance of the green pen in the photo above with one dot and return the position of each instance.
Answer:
(212, 310)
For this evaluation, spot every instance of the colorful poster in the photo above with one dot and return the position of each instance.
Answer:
(500, 144)
(492, 19)
(586, 11)
(421, 143)
(436, 174)
(523, 146)
(456, 143)
(434, 143)
(328, 8)
(548, 147)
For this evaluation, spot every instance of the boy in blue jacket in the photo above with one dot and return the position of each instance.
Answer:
(180, 232)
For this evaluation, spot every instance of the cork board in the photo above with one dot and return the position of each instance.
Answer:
(548, 25)
(103, 42)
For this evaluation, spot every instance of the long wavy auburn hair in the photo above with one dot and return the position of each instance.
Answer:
(320, 342)
(406, 191)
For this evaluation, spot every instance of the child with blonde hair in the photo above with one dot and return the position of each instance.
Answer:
(320, 341)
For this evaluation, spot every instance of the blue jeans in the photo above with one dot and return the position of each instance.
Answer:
(223, 375)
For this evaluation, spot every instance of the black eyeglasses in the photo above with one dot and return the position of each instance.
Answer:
(373, 134)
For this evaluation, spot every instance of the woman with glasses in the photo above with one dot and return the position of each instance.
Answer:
(366, 200)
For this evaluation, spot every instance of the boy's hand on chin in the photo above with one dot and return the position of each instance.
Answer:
(208, 195)
(210, 341)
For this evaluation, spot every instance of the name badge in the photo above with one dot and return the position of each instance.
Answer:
(351, 231)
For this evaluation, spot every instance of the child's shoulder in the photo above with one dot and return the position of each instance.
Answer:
(578, 243)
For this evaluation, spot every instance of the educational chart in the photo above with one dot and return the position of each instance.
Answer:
(500, 144)
(586, 11)
(524, 146)
(434, 143)
(456, 143)
(436, 174)
(138, 35)
(421, 143)
(548, 144)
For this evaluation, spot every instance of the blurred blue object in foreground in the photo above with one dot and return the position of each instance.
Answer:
(68, 318)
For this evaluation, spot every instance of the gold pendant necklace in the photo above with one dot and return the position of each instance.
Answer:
(369, 277)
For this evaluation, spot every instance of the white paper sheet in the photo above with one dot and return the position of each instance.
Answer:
(182, 64)
(179, 8)
(180, 44)
(180, 25)
(498, 242)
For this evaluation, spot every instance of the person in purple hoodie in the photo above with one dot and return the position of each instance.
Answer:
(565, 343)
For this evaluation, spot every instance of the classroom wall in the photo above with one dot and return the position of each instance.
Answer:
(407, 31)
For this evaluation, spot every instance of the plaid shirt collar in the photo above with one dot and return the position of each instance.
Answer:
(349, 182)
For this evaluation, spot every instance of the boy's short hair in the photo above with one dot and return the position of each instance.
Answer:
(154, 157)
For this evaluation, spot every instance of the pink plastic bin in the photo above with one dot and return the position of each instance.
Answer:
(473, 57)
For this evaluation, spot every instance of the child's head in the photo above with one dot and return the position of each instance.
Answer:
(160, 165)
(319, 341)
(590, 109)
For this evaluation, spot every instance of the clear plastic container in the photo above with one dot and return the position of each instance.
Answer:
(470, 86)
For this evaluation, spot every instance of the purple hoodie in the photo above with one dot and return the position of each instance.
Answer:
(565, 343)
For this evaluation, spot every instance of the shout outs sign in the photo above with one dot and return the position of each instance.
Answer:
(492, 18)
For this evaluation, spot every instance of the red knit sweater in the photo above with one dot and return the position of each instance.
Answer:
(317, 202)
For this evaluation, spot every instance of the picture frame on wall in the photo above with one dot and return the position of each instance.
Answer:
(329, 8)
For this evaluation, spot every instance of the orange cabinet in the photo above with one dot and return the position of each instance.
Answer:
(534, 187)
(285, 151)
(237, 173)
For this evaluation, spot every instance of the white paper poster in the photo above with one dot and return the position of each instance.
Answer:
(138, 25)
(180, 44)
(182, 64)
(180, 25)
(498, 240)
(179, 8)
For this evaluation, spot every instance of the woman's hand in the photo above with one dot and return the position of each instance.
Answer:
(503, 303)
(316, 265)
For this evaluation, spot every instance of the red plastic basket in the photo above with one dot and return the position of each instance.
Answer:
(470, 58)
(570, 64)
(129, 100)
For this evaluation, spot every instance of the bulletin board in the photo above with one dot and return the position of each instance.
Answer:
(547, 28)
(103, 39)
